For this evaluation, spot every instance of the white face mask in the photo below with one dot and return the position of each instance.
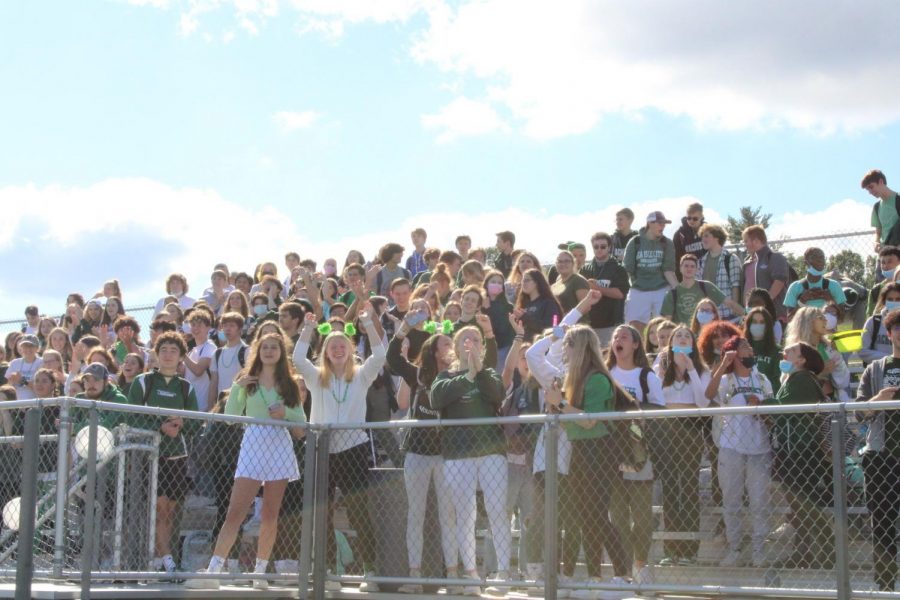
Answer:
(830, 321)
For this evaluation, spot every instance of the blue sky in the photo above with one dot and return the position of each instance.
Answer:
(145, 137)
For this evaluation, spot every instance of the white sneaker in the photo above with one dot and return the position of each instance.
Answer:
(644, 576)
(534, 573)
(759, 558)
(332, 586)
(472, 590)
(410, 588)
(369, 587)
(732, 559)
(615, 594)
(260, 584)
(287, 566)
(494, 590)
(202, 584)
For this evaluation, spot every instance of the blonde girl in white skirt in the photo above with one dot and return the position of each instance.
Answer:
(265, 389)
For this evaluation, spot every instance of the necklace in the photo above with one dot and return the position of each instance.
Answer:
(343, 396)
(228, 365)
(679, 385)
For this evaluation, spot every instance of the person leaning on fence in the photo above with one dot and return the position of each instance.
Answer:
(589, 388)
(803, 461)
(163, 388)
(881, 457)
(265, 390)
(424, 462)
(684, 382)
(474, 456)
(338, 387)
(745, 455)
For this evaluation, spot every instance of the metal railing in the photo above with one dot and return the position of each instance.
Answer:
(385, 503)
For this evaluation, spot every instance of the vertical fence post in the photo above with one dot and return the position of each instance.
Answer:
(320, 528)
(842, 558)
(309, 496)
(62, 486)
(551, 506)
(88, 547)
(28, 503)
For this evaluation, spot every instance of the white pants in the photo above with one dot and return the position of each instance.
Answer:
(738, 472)
(418, 472)
(464, 476)
(641, 305)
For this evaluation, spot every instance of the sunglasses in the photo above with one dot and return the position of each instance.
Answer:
(601, 246)
(695, 219)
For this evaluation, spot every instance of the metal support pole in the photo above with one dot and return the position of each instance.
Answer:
(89, 547)
(28, 504)
(62, 486)
(309, 496)
(120, 506)
(551, 512)
(842, 558)
(320, 527)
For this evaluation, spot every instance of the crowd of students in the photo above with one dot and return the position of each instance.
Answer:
(631, 319)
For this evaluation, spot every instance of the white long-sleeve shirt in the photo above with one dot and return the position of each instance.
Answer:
(340, 401)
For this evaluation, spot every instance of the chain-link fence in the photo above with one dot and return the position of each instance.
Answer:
(785, 504)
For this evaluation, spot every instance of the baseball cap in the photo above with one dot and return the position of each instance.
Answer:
(570, 245)
(28, 339)
(97, 371)
(657, 217)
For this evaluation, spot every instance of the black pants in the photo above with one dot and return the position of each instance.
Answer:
(349, 471)
(806, 474)
(677, 466)
(883, 500)
(592, 475)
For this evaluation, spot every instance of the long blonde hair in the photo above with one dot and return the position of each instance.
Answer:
(585, 359)
(327, 370)
(801, 327)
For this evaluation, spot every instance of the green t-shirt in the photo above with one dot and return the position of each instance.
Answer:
(566, 292)
(598, 397)
(164, 395)
(799, 430)
(681, 302)
(884, 215)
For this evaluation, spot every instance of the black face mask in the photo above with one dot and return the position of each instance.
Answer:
(748, 362)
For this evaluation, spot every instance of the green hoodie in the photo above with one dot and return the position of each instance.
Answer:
(647, 260)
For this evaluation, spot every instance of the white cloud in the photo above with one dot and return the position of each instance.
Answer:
(560, 67)
(58, 239)
(464, 117)
(289, 121)
(725, 65)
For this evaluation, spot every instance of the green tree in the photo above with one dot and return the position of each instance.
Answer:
(747, 217)
(491, 253)
(850, 264)
(797, 262)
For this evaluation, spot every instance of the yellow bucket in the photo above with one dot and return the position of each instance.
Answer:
(848, 341)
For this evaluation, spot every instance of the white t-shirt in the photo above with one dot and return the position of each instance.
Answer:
(746, 434)
(201, 382)
(631, 381)
(228, 365)
(18, 365)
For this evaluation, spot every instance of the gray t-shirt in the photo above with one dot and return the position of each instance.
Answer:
(386, 276)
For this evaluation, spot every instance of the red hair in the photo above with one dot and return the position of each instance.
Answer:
(708, 336)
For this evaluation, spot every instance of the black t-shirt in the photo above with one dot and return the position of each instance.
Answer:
(539, 316)
(609, 312)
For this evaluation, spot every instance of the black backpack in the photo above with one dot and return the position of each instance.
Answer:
(876, 327)
(242, 352)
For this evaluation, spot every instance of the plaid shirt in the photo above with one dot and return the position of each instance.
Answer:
(726, 277)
